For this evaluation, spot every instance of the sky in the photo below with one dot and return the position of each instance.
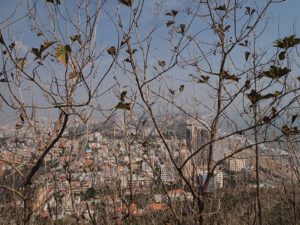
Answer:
(283, 19)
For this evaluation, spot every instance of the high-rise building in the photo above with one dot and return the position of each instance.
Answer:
(215, 182)
(196, 137)
(183, 155)
(169, 173)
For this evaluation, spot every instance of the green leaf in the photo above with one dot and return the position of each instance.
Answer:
(228, 76)
(277, 93)
(281, 55)
(254, 96)
(62, 53)
(172, 13)
(170, 22)
(276, 72)
(247, 54)
(112, 51)
(222, 7)
(161, 63)
(181, 88)
(298, 78)
(287, 42)
(126, 2)
(270, 95)
(124, 106)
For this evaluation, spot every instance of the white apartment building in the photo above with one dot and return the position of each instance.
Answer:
(216, 182)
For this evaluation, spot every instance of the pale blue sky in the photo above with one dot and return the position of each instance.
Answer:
(283, 20)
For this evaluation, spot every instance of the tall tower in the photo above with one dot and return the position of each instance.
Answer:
(196, 137)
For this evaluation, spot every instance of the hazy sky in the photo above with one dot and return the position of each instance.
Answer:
(283, 20)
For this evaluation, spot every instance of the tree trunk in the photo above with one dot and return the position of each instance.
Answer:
(27, 204)
(201, 210)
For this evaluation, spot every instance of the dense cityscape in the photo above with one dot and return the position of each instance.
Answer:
(95, 165)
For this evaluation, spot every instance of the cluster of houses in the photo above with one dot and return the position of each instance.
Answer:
(106, 169)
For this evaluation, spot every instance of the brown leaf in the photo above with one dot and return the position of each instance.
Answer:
(170, 22)
(172, 13)
(126, 2)
(161, 63)
(72, 75)
(181, 88)
(21, 63)
(55, 2)
(77, 38)
(124, 106)
(112, 50)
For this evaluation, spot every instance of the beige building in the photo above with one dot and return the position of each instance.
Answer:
(237, 164)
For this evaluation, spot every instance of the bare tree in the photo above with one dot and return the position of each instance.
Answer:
(241, 80)
(199, 76)
(61, 74)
